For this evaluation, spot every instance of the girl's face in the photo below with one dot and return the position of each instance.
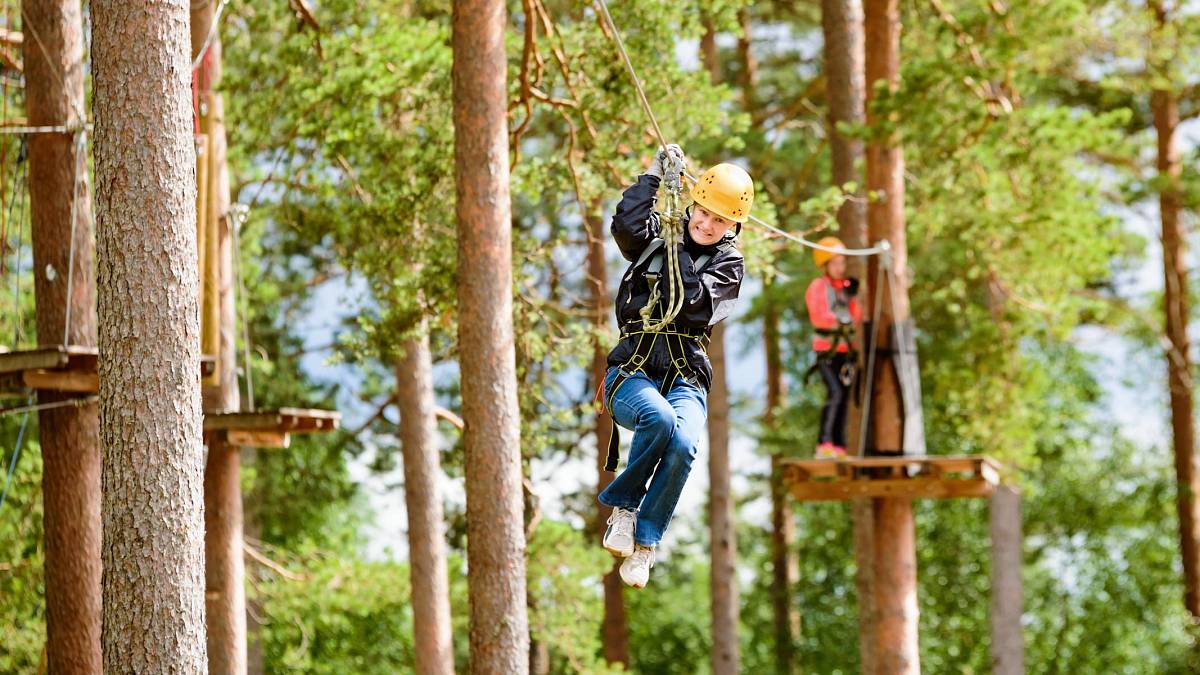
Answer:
(706, 227)
(836, 267)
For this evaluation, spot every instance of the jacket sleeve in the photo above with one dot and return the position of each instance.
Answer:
(819, 312)
(710, 297)
(635, 224)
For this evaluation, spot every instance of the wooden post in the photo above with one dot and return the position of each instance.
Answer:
(896, 613)
(1008, 644)
(225, 571)
(69, 437)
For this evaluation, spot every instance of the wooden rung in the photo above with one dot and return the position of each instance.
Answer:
(955, 464)
(935, 488)
(259, 439)
(77, 381)
(817, 468)
(293, 420)
(46, 357)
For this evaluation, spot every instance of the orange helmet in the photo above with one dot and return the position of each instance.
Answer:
(727, 191)
(821, 257)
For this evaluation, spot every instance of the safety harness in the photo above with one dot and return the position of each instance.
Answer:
(844, 333)
(652, 328)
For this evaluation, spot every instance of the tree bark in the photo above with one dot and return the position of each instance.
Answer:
(896, 614)
(842, 25)
(614, 629)
(721, 511)
(1008, 644)
(723, 536)
(495, 533)
(426, 523)
(150, 420)
(1164, 104)
(69, 437)
(784, 563)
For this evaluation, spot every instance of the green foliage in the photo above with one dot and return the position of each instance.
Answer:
(22, 554)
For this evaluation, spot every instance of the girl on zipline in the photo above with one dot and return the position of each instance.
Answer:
(835, 314)
(658, 375)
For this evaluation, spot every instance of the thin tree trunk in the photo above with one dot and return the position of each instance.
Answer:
(721, 512)
(784, 563)
(1165, 106)
(150, 420)
(426, 525)
(1179, 368)
(896, 648)
(495, 533)
(1008, 644)
(842, 24)
(614, 629)
(69, 437)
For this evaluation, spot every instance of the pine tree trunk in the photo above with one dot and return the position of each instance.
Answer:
(723, 536)
(784, 563)
(842, 24)
(495, 533)
(1179, 365)
(150, 420)
(785, 566)
(1008, 644)
(615, 629)
(721, 511)
(426, 524)
(895, 577)
(69, 437)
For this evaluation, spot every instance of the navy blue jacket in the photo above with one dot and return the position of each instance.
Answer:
(709, 296)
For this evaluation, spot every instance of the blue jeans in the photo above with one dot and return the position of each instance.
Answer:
(666, 432)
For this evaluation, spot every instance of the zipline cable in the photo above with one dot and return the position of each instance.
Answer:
(602, 5)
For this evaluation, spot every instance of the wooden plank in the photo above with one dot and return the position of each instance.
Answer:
(238, 420)
(294, 420)
(76, 381)
(258, 439)
(813, 467)
(930, 488)
(46, 357)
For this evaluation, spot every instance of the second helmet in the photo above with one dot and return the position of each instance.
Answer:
(821, 257)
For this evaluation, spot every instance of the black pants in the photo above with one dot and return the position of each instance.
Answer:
(837, 399)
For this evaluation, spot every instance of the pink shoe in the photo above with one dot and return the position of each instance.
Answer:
(827, 451)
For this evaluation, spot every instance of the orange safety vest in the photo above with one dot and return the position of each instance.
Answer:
(825, 297)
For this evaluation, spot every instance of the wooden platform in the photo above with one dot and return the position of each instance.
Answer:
(930, 477)
(58, 368)
(270, 428)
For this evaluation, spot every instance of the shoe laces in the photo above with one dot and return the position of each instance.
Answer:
(622, 521)
(643, 556)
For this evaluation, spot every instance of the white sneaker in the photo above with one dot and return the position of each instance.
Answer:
(618, 539)
(635, 571)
